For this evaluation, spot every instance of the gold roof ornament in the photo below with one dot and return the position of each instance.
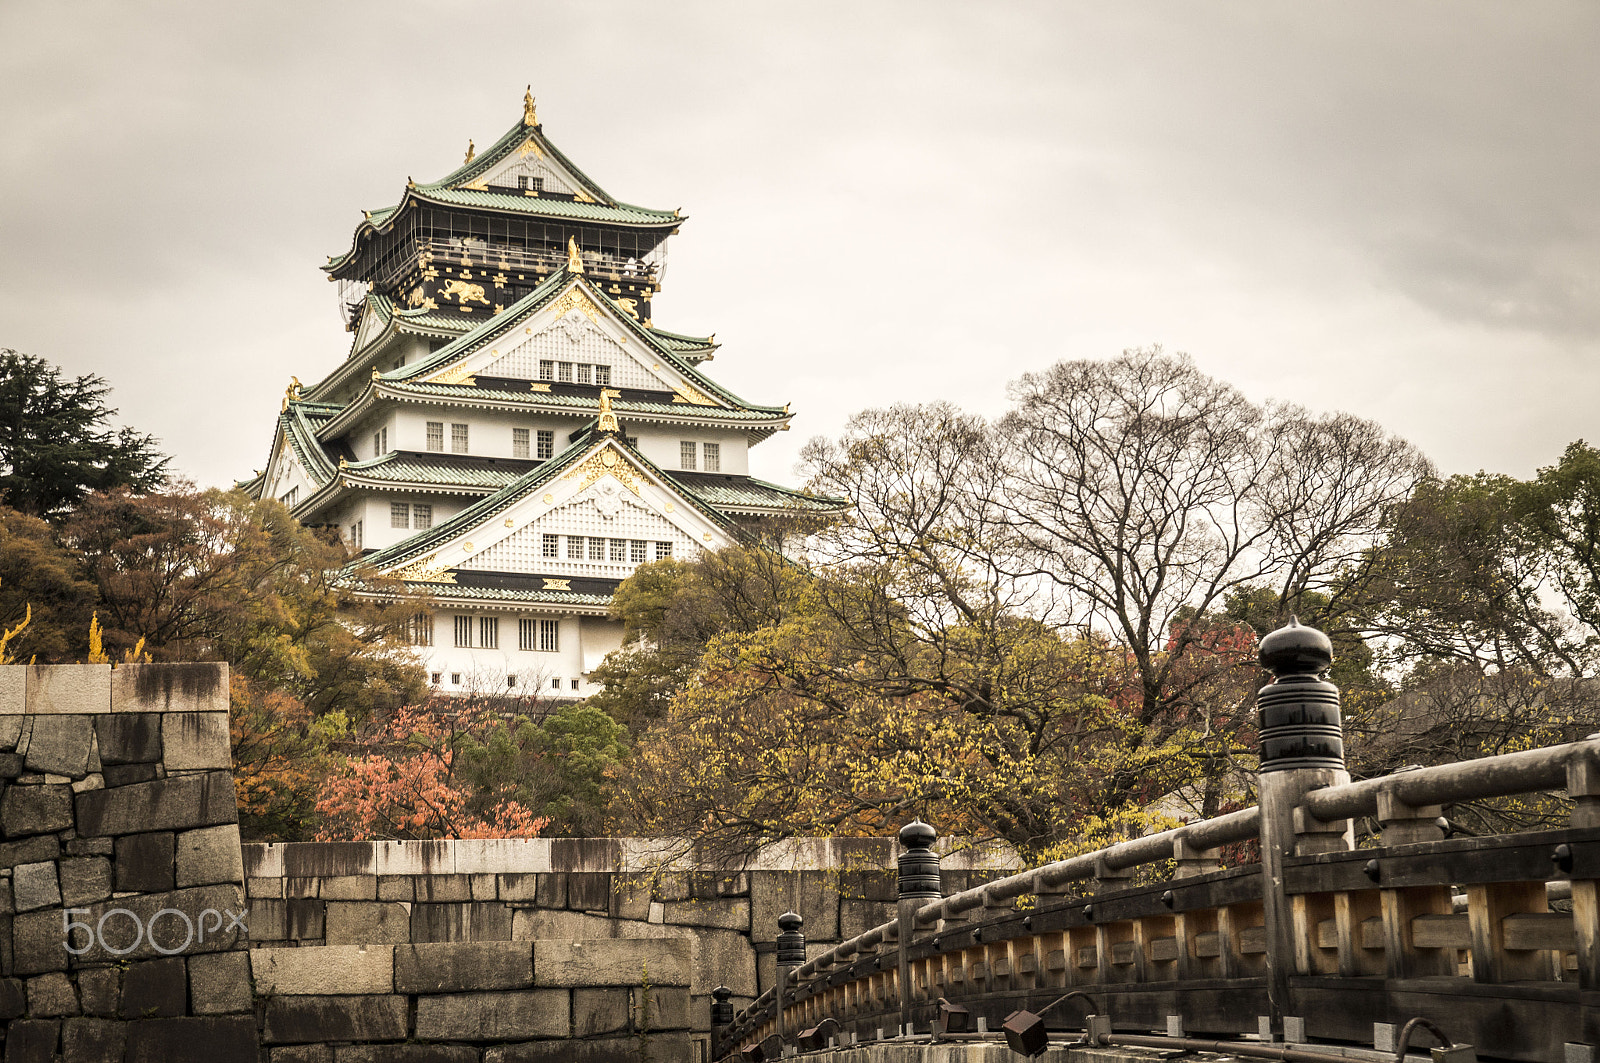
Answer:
(574, 256)
(471, 151)
(608, 419)
(291, 393)
(374, 372)
(530, 115)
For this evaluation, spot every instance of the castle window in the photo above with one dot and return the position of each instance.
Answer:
(547, 369)
(584, 372)
(564, 372)
(550, 546)
(422, 632)
(436, 435)
(712, 452)
(637, 551)
(597, 548)
(555, 684)
(511, 681)
(399, 514)
(602, 375)
(574, 684)
(422, 516)
(574, 548)
(380, 442)
(550, 636)
(547, 443)
(519, 442)
(463, 633)
(355, 535)
(619, 549)
(686, 454)
(663, 551)
(525, 634)
(455, 679)
(458, 439)
(435, 677)
(489, 632)
(290, 496)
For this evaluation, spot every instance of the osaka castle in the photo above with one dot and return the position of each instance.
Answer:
(511, 433)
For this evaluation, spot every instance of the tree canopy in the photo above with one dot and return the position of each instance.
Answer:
(56, 445)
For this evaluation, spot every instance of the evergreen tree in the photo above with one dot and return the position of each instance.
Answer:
(55, 443)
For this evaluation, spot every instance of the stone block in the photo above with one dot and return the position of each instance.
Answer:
(34, 886)
(68, 688)
(299, 1020)
(515, 1015)
(90, 846)
(264, 887)
(614, 962)
(92, 1040)
(730, 914)
(129, 738)
(723, 957)
(348, 888)
(630, 897)
(10, 763)
(200, 908)
(868, 886)
(268, 919)
(458, 967)
(600, 1011)
(302, 1054)
(182, 803)
(85, 880)
(330, 970)
(92, 781)
(443, 888)
(367, 923)
(208, 856)
(498, 856)
(26, 810)
(32, 1040)
(36, 943)
(154, 989)
(707, 885)
(857, 917)
(60, 745)
(128, 774)
(671, 1008)
(195, 741)
(305, 919)
(196, 687)
(538, 924)
(13, 999)
(484, 887)
(29, 850)
(808, 892)
(13, 694)
(461, 922)
(673, 1046)
(302, 887)
(422, 1054)
(589, 891)
(145, 862)
(328, 859)
(390, 888)
(51, 996)
(519, 888)
(219, 984)
(99, 990)
(432, 857)
(670, 886)
(230, 1039)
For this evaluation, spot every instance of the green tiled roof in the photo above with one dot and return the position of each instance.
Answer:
(546, 207)
(300, 422)
(748, 492)
(408, 468)
(583, 402)
(507, 594)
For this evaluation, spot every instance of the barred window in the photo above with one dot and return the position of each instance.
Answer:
(355, 535)
(435, 435)
(489, 632)
(290, 496)
(686, 452)
(547, 443)
(574, 548)
(525, 635)
(422, 632)
(422, 515)
(519, 443)
(663, 550)
(547, 369)
(458, 439)
(550, 546)
(564, 371)
(584, 372)
(463, 631)
(619, 549)
(602, 375)
(555, 684)
(399, 514)
(550, 636)
(638, 552)
(597, 548)
(713, 456)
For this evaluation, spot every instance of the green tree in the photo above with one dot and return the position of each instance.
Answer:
(55, 443)
(37, 573)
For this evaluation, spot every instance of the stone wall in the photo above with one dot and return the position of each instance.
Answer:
(117, 815)
(619, 898)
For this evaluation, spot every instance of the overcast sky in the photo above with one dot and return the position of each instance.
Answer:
(1383, 207)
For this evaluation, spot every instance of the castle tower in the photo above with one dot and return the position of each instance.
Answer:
(510, 432)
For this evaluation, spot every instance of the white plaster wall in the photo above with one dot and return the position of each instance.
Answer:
(584, 643)
(660, 445)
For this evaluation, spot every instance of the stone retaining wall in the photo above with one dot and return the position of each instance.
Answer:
(117, 814)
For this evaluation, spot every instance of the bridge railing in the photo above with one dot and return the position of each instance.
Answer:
(1321, 940)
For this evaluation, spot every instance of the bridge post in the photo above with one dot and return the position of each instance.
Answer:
(916, 883)
(791, 954)
(1302, 748)
(721, 1018)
